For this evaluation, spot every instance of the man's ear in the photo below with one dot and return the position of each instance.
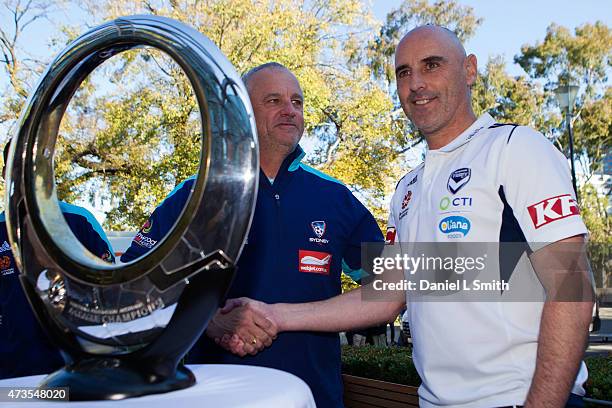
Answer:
(471, 69)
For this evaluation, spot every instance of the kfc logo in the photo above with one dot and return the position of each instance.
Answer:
(314, 262)
(552, 209)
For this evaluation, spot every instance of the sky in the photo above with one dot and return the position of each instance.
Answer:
(508, 24)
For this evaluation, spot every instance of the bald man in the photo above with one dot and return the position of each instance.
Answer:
(481, 181)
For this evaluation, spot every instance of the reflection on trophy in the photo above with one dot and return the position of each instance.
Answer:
(125, 327)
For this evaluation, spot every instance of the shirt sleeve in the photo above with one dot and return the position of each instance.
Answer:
(159, 223)
(391, 234)
(366, 230)
(536, 184)
(88, 231)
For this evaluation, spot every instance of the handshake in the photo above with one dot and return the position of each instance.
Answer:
(244, 326)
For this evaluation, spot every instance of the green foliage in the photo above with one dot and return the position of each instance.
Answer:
(584, 59)
(347, 283)
(395, 364)
(131, 146)
(599, 223)
(562, 57)
(509, 99)
(139, 141)
(599, 384)
(593, 129)
(307, 37)
(410, 14)
(392, 364)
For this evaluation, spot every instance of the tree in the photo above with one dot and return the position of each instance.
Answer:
(599, 223)
(583, 58)
(510, 99)
(593, 131)
(141, 139)
(349, 114)
(19, 66)
(561, 58)
(308, 39)
(410, 14)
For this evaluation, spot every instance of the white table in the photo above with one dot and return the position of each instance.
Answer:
(218, 385)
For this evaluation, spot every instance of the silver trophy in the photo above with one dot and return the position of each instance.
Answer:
(123, 329)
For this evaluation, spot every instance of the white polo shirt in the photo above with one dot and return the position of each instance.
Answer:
(491, 184)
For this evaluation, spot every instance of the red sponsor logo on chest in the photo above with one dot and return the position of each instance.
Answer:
(314, 262)
(553, 209)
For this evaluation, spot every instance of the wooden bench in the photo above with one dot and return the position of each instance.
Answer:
(598, 337)
(362, 392)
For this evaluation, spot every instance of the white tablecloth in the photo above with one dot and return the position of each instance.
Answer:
(217, 386)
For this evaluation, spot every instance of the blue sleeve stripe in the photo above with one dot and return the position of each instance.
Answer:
(319, 173)
(355, 274)
(73, 209)
(2, 217)
(177, 188)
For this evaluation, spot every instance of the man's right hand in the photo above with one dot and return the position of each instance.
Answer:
(242, 327)
(344, 312)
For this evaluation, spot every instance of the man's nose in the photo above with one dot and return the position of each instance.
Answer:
(417, 82)
(288, 109)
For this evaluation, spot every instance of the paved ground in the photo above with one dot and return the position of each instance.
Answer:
(600, 342)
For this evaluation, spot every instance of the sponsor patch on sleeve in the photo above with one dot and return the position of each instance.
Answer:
(314, 262)
(553, 209)
(390, 237)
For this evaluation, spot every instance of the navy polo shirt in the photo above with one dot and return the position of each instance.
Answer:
(24, 347)
(307, 229)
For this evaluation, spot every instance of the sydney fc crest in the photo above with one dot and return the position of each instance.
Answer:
(319, 228)
(458, 179)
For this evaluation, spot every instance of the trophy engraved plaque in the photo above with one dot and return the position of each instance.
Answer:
(123, 328)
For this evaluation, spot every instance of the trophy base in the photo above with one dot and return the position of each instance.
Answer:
(114, 379)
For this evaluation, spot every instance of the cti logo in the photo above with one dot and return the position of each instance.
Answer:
(553, 209)
(446, 202)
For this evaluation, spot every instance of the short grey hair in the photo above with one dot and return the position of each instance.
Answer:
(246, 78)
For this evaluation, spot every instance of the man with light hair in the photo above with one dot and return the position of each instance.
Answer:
(307, 229)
